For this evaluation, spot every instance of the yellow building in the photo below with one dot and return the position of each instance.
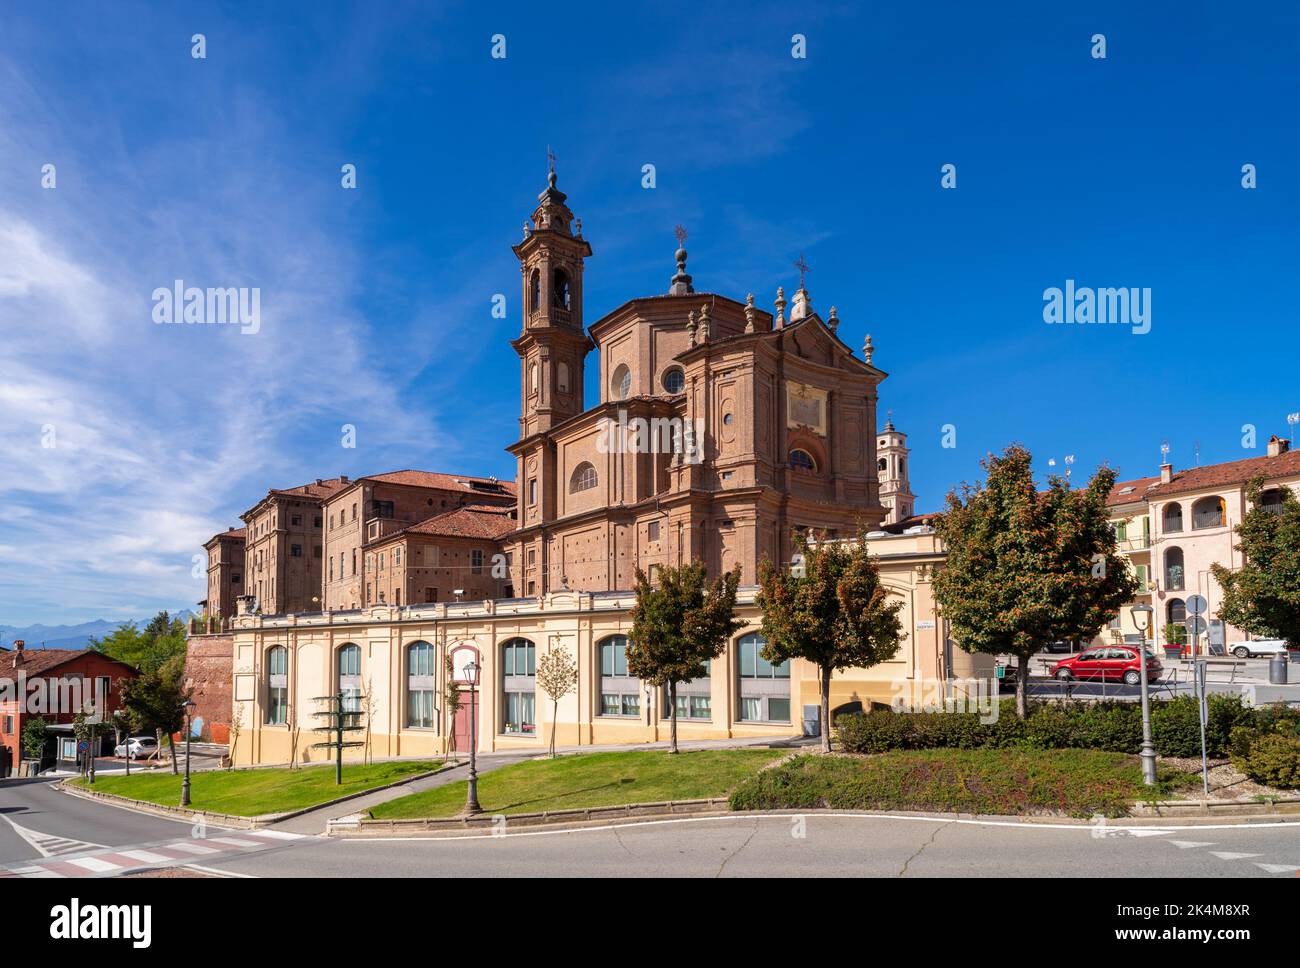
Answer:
(397, 658)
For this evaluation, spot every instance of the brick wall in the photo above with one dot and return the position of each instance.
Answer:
(209, 674)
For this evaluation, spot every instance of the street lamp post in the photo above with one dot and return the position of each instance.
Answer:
(188, 707)
(471, 673)
(1142, 621)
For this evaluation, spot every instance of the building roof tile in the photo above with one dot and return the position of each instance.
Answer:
(1286, 464)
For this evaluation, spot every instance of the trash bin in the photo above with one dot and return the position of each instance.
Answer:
(1277, 669)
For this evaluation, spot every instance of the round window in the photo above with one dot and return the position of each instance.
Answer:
(674, 379)
(621, 386)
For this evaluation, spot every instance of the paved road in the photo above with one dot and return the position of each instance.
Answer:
(55, 826)
(821, 845)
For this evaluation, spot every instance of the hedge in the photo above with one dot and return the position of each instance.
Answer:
(1112, 726)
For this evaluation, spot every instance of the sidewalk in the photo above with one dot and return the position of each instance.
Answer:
(316, 821)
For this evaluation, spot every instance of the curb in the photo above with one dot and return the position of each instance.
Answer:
(578, 816)
(229, 819)
(1181, 813)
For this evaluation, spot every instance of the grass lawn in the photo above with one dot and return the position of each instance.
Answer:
(1079, 783)
(247, 793)
(590, 780)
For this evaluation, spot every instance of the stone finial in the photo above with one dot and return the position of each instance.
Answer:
(867, 349)
(704, 323)
(528, 230)
(834, 321)
(681, 283)
(780, 306)
(578, 227)
(690, 325)
(749, 313)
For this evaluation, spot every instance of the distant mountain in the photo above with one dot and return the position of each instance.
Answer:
(69, 636)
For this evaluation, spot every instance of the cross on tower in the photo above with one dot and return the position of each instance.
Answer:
(680, 232)
(550, 160)
(803, 269)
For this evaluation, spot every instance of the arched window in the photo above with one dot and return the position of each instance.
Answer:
(882, 465)
(534, 291)
(1173, 518)
(277, 686)
(1174, 570)
(583, 479)
(802, 460)
(1176, 611)
(1271, 501)
(562, 377)
(532, 378)
(349, 677)
(420, 686)
(518, 686)
(674, 379)
(1208, 512)
(764, 688)
(560, 290)
(620, 693)
(620, 387)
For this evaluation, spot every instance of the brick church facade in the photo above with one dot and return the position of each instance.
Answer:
(720, 429)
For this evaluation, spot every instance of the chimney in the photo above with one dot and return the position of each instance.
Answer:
(343, 478)
(1166, 473)
(1277, 446)
(319, 481)
(18, 645)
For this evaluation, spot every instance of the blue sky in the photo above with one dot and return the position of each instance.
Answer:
(376, 302)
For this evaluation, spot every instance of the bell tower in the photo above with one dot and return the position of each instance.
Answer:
(891, 469)
(553, 344)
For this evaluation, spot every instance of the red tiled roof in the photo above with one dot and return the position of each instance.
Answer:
(471, 521)
(448, 482)
(41, 661)
(1233, 472)
(232, 534)
(316, 489)
(1121, 493)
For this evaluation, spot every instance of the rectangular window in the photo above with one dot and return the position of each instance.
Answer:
(751, 708)
(381, 509)
(295, 520)
(778, 710)
(431, 594)
(235, 578)
(295, 551)
(476, 561)
(397, 557)
(532, 491)
(519, 713)
(316, 521)
(652, 531)
(316, 551)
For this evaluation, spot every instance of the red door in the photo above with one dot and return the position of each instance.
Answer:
(461, 730)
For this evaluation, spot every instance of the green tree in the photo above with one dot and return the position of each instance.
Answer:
(836, 614)
(1263, 595)
(557, 676)
(1025, 567)
(34, 732)
(155, 699)
(144, 649)
(679, 626)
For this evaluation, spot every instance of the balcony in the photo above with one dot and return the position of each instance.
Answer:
(1127, 545)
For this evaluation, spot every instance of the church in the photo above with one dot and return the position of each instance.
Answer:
(720, 430)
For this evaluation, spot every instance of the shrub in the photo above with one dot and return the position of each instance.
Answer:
(1270, 758)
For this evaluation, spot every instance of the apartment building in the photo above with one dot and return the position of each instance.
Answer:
(284, 549)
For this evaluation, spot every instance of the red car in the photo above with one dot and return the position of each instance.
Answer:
(1119, 662)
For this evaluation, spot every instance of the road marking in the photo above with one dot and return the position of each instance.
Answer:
(144, 856)
(94, 864)
(192, 848)
(1185, 844)
(1231, 855)
(1279, 868)
(218, 872)
(234, 841)
(49, 845)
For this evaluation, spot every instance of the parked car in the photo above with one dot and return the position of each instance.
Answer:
(1118, 662)
(139, 746)
(1248, 650)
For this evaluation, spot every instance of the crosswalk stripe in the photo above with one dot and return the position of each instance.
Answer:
(1279, 868)
(1185, 844)
(192, 848)
(94, 864)
(1231, 855)
(144, 856)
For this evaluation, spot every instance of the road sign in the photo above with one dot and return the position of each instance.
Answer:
(83, 746)
(1196, 605)
(1196, 625)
